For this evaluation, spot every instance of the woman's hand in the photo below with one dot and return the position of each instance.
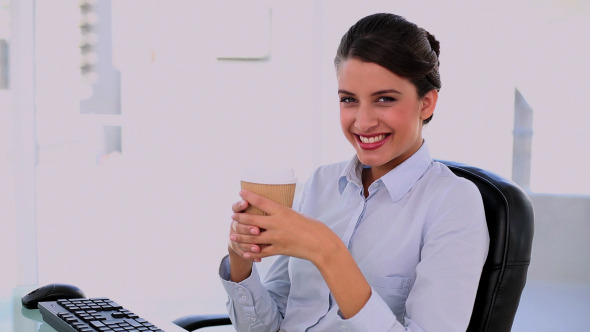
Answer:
(281, 232)
(286, 232)
(241, 267)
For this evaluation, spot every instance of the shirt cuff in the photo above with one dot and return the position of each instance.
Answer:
(242, 295)
(244, 291)
(374, 316)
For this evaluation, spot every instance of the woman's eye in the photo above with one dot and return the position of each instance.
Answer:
(385, 99)
(347, 100)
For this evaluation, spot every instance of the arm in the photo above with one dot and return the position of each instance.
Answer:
(454, 251)
(251, 305)
(347, 284)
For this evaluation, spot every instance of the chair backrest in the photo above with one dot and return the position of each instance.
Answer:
(510, 219)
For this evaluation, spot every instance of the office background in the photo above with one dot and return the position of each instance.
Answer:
(118, 175)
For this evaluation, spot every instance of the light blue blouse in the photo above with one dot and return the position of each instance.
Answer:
(420, 239)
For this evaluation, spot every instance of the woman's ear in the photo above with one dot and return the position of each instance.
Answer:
(428, 104)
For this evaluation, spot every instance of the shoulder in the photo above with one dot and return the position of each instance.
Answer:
(442, 181)
(454, 200)
(450, 197)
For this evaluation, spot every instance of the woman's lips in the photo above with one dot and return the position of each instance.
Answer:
(371, 142)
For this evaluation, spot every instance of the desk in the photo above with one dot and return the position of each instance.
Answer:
(15, 318)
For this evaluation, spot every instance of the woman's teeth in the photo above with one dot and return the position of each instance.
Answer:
(373, 139)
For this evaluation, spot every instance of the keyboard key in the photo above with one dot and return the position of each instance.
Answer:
(96, 323)
(115, 305)
(118, 314)
(133, 323)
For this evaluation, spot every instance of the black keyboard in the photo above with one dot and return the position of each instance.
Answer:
(91, 315)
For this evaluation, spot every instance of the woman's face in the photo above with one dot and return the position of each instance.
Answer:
(381, 114)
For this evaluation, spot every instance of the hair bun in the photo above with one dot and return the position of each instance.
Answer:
(434, 44)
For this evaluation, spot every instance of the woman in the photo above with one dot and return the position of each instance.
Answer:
(389, 241)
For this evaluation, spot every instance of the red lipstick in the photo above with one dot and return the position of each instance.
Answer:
(371, 146)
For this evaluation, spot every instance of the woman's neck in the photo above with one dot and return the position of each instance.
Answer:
(367, 178)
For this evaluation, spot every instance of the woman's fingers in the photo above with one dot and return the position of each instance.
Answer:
(239, 206)
(265, 251)
(245, 240)
(239, 228)
(241, 248)
(261, 202)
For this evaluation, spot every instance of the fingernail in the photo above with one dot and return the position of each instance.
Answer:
(253, 231)
(233, 237)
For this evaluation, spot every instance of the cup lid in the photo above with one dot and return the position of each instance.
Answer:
(268, 176)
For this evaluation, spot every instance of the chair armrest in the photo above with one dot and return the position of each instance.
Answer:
(194, 322)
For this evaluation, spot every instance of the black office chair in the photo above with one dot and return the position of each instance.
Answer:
(510, 217)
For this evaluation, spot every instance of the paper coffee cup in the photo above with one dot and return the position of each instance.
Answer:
(277, 185)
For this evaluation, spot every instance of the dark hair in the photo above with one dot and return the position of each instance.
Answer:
(396, 44)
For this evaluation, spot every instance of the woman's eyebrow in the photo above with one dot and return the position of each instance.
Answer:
(376, 93)
(385, 91)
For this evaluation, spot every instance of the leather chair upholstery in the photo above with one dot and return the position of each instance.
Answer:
(510, 219)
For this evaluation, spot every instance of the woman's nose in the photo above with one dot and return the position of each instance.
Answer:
(365, 119)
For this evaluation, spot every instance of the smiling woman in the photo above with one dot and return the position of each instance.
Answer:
(189, 123)
(331, 273)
